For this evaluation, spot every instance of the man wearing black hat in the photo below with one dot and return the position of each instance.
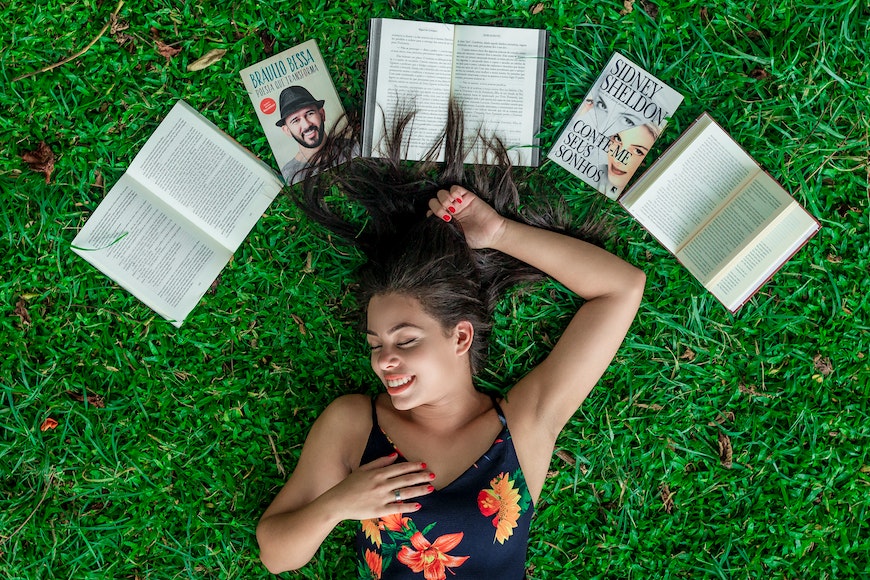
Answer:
(303, 119)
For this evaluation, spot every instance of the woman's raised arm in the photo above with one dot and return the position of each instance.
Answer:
(542, 402)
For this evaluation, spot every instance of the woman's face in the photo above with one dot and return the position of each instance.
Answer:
(637, 142)
(410, 351)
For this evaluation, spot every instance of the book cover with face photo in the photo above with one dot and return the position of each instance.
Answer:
(297, 105)
(614, 128)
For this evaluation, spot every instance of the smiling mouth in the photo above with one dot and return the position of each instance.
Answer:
(399, 384)
(616, 170)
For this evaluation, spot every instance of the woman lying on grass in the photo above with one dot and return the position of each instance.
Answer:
(442, 477)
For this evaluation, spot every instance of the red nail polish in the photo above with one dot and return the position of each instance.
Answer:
(431, 476)
(418, 506)
(458, 200)
(451, 209)
(422, 466)
(430, 488)
(446, 218)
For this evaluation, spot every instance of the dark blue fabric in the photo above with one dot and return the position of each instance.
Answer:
(462, 520)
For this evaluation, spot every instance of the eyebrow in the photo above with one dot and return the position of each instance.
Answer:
(396, 328)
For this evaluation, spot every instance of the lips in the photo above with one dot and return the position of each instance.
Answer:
(616, 170)
(397, 384)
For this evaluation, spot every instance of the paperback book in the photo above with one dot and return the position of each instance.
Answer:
(297, 105)
(495, 74)
(725, 219)
(174, 219)
(615, 126)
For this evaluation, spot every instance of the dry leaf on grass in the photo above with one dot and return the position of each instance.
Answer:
(688, 355)
(538, 8)
(667, 498)
(165, 50)
(759, 73)
(302, 330)
(21, 312)
(207, 59)
(40, 160)
(725, 451)
(823, 364)
(268, 42)
(48, 424)
(93, 400)
(627, 7)
(116, 25)
(720, 420)
(650, 8)
(565, 456)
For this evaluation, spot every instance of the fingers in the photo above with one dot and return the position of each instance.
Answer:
(380, 462)
(448, 204)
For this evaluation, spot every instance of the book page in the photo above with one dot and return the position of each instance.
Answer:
(699, 180)
(753, 267)
(206, 176)
(410, 65)
(163, 262)
(734, 227)
(498, 81)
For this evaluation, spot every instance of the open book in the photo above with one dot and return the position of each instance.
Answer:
(173, 220)
(297, 106)
(710, 204)
(496, 74)
(615, 126)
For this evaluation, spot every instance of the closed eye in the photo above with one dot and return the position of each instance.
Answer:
(406, 343)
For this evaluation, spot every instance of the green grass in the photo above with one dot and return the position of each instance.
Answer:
(200, 425)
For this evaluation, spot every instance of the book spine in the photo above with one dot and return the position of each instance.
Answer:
(370, 106)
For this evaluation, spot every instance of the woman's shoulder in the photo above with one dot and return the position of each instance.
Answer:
(343, 428)
(349, 410)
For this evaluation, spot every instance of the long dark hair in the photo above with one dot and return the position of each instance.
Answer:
(424, 257)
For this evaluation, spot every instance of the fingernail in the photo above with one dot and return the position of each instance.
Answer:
(418, 506)
(422, 466)
(431, 476)
(447, 218)
(393, 454)
(451, 209)
(430, 488)
(458, 200)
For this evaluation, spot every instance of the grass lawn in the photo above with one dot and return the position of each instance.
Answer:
(715, 446)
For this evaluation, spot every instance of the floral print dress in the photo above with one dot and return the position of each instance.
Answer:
(476, 527)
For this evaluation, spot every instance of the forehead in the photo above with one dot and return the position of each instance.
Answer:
(386, 311)
(303, 111)
(639, 135)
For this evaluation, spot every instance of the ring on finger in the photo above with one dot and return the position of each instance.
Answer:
(398, 495)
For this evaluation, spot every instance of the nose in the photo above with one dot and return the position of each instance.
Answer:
(387, 359)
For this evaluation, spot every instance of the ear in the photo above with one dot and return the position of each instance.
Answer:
(464, 335)
(286, 130)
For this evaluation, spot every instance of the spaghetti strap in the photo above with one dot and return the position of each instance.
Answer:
(374, 412)
(498, 411)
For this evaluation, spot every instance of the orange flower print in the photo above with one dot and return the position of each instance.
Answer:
(372, 531)
(375, 563)
(394, 522)
(503, 500)
(432, 559)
